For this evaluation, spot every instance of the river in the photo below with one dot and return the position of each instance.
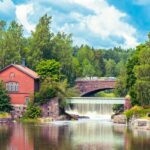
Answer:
(73, 135)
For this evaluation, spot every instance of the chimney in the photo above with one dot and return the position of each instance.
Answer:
(23, 62)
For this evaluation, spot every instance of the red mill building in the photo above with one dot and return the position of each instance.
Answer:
(21, 83)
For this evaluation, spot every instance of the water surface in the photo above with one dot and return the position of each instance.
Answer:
(73, 135)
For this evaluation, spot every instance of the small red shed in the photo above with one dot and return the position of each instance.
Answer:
(21, 83)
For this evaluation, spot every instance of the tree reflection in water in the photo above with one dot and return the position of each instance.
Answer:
(85, 135)
(5, 136)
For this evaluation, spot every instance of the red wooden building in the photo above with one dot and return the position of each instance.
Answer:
(21, 83)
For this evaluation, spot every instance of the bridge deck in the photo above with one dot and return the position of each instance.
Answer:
(96, 100)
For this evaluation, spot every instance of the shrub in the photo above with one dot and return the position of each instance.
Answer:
(4, 115)
(32, 112)
(5, 105)
(136, 111)
(118, 108)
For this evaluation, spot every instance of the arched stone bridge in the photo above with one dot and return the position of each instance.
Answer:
(89, 87)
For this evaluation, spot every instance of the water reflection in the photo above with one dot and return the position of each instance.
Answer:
(5, 136)
(81, 135)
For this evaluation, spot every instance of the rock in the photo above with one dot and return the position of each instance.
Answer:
(45, 120)
(5, 120)
(141, 124)
(61, 117)
(121, 119)
(84, 117)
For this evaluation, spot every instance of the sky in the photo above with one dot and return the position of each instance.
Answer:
(98, 23)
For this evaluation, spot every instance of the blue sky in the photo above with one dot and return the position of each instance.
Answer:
(98, 23)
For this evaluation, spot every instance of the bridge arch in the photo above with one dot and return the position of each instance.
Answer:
(92, 92)
(87, 87)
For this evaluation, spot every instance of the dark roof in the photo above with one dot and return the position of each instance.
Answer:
(24, 69)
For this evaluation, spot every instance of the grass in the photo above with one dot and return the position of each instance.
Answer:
(4, 115)
(138, 111)
(104, 94)
(36, 120)
(28, 120)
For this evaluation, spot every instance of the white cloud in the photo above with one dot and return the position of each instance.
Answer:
(107, 21)
(104, 22)
(22, 12)
(6, 5)
(7, 8)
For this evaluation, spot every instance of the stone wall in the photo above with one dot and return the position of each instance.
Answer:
(51, 109)
(18, 111)
(88, 86)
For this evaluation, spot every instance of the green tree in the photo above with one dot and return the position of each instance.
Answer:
(62, 51)
(110, 68)
(88, 69)
(5, 105)
(50, 89)
(120, 87)
(131, 78)
(12, 43)
(49, 68)
(46, 92)
(40, 42)
(142, 73)
(99, 63)
(2, 49)
(120, 67)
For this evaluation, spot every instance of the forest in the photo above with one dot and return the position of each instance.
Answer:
(75, 61)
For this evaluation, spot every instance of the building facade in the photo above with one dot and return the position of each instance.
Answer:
(21, 83)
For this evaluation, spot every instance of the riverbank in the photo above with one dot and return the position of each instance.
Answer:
(137, 117)
(5, 118)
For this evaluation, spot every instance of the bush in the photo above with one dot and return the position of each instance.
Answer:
(118, 108)
(136, 111)
(4, 115)
(32, 112)
(5, 105)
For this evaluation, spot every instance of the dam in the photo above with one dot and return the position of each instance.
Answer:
(93, 107)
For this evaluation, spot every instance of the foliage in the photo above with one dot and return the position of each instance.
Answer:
(105, 94)
(32, 111)
(5, 105)
(63, 91)
(46, 92)
(136, 111)
(49, 68)
(40, 42)
(142, 73)
(136, 79)
(51, 88)
(110, 68)
(120, 86)
(11, 43)
(118, 108)
(4, 115)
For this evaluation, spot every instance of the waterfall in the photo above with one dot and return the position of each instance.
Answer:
(93, 107)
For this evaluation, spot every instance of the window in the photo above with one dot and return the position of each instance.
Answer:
(12, 86)
(27, 100)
